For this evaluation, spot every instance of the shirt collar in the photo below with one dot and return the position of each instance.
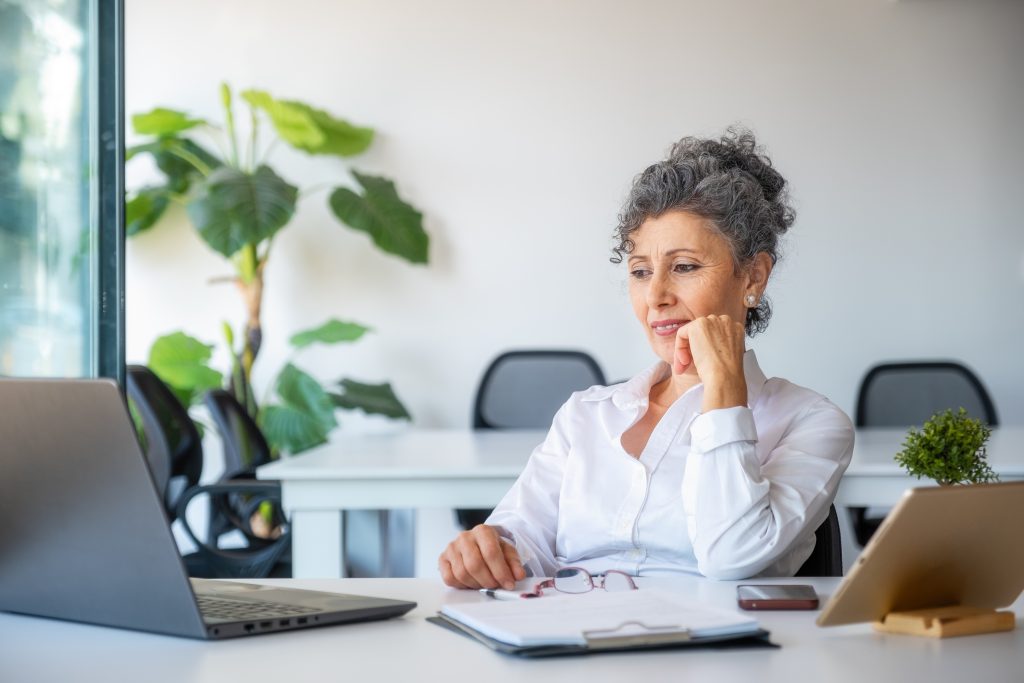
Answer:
(636, 391)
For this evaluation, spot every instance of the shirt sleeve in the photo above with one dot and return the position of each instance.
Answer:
(527, 516)
(744, 514)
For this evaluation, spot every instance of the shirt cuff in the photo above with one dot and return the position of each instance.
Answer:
(526, 557)
(716, 428)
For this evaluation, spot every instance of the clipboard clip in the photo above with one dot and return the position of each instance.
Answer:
(649, 635)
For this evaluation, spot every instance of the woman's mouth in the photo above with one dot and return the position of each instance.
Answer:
(665, 328)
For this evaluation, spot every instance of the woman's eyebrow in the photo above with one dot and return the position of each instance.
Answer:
(670, 252)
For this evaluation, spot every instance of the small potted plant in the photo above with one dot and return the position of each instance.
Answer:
(950, 448)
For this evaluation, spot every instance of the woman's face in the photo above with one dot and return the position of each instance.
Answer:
(681, 270)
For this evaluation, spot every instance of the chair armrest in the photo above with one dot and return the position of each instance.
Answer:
(258, 492)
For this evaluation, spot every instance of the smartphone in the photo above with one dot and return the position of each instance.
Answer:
(798, 596)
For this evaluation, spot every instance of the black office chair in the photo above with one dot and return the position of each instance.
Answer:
(174, 451)
(173, 447)
(827, 557)
(524, 390)
(245, 449)
(906, 394)
(260, 557)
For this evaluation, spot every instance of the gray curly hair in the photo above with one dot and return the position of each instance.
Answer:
(728, 181)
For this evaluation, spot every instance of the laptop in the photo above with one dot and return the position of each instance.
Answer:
(940, 546)
(85, 536)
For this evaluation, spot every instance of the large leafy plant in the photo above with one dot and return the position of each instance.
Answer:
(238, 204)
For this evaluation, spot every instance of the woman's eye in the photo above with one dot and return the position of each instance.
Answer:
(639, 273)
(685, 267)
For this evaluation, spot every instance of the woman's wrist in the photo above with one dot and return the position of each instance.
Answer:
(724, 390)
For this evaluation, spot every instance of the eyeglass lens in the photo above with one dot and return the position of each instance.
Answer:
(573, 580)
(576, 580)
(617, 581)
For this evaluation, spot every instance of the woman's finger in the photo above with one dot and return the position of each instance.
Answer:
(447, 574)
(683, 356)
(512, 558)
(490, 549)
(476, 574)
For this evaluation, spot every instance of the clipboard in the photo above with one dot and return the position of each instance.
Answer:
(600, 622)
(683, 639)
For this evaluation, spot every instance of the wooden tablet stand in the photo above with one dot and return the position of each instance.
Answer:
(946, 622)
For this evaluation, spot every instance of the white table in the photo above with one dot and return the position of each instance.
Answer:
(411, 469)
(413, 650)
(462, 468)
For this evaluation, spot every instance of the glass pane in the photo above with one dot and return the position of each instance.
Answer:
(48, 200)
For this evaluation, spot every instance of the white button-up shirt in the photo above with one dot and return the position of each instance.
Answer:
(729, 494)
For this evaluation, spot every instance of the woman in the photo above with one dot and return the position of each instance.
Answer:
(699, 464)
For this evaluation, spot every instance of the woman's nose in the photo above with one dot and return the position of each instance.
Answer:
(659, 293)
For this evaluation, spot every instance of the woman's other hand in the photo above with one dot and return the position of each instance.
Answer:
(713, 345)
(478, 558)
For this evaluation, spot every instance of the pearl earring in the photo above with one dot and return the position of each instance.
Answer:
(751, 301)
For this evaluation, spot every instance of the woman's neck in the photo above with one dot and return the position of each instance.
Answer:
(664, 393)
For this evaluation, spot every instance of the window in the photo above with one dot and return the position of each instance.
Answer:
(61, 188)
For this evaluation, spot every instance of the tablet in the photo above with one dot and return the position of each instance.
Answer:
(941, 545)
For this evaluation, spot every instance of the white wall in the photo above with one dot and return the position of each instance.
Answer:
(517, 126)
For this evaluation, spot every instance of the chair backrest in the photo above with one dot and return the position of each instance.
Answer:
(827, 557)
(524, 389)
(245, 447)
(174, 448)
(908, 393)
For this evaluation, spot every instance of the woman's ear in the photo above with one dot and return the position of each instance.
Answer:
(758, 271)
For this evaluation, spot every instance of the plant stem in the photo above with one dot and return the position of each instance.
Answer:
(217, 140)
(225, 97)
(268, 150)
(314, 188)
(254, 138)
(250, 285)
(191, 158)
(247, 263)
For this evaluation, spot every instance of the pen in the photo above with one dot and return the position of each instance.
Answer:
(499, 594)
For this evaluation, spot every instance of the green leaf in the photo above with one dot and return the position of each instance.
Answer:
(144, 209)
(182, 361)
(394, 226)
(309, 129)
(234, 208)
(305, 417)
(168, 153)
(290, 430)
(341, 138)
(299, 390)
(331, 332)
(374, 399)
(161, 121)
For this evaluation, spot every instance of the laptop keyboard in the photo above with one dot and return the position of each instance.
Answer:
(245, 610)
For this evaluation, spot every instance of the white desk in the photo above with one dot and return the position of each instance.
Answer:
(411, 649)
(461, 468)
(412, 469)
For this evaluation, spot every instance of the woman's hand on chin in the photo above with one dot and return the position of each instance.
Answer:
(478, 558)
(713, 346)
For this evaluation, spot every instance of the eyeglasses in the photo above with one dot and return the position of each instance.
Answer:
(579, 580)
